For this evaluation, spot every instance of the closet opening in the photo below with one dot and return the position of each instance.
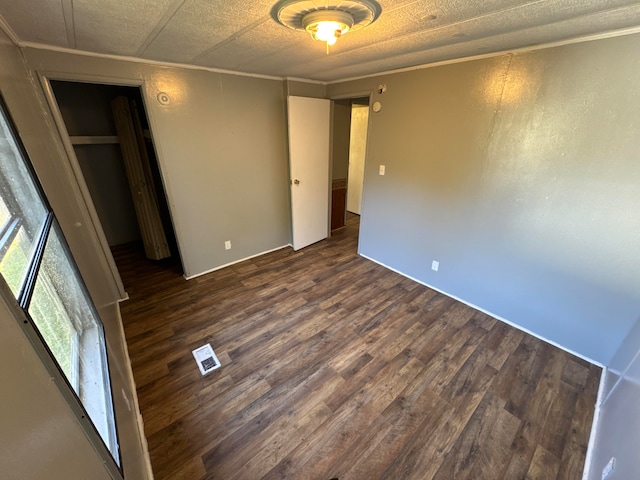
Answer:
(113, 145)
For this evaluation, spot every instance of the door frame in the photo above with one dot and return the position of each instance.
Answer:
(102, 245)
(351, 96)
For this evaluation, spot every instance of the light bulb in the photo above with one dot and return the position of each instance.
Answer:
(326, 31)
(327, 25)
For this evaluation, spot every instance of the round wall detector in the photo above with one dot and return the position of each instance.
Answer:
(163, 98)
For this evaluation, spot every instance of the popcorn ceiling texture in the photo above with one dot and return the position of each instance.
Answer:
(242, 36)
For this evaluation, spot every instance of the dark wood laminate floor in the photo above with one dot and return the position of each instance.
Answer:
(333, 366)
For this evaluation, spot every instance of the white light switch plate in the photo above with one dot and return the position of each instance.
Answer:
(382, 169)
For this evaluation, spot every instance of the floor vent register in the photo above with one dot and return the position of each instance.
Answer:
(206, 359)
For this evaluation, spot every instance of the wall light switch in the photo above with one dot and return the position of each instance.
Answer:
(227, 245)
(435, 265)
(382, 169)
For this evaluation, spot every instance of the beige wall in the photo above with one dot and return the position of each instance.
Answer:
(297, 88)
(519, 174)
(221, 145)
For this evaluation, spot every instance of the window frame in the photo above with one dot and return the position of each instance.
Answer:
(21, 302)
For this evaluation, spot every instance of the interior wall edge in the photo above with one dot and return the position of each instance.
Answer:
(593, 435)
(33, 120)
(70, 205)
(145, 458)
(106, 259)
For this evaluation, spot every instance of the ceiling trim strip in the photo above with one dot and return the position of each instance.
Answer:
(38, 46)
(6, 28)
(144, 61)
(529, 48)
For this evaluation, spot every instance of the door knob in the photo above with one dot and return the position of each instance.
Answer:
(296, 182)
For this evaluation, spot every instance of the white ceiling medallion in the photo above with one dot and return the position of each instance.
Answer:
(329, 21)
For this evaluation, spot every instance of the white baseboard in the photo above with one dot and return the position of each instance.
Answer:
(235, 261)
(128, 377)
(596, 415)
(497, 317)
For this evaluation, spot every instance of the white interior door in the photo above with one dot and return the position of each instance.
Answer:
(357, 153)
(309, 126)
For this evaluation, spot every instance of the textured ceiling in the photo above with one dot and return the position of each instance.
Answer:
(242, 36)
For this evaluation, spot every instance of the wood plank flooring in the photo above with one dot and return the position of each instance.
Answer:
(334, 367)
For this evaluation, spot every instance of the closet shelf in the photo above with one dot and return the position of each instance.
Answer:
(93, 139)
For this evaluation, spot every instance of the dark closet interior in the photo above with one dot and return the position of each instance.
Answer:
(87, 112)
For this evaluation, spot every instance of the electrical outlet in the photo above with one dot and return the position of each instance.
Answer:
(227, 245)
(609, 468)
(435, 265)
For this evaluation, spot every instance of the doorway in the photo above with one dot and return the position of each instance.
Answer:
(309, 140)
(350, 126)
(93, 118)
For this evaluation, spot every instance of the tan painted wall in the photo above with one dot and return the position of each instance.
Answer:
(519, 174)
(221, 147)
(299, 88)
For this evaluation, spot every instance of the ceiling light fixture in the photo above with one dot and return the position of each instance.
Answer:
(328, 22)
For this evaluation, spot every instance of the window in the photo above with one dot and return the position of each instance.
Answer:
(38, 268)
